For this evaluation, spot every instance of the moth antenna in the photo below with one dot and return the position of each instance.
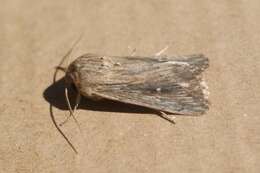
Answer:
(54, 80)
(65, 57)
(60, 131)
(70, 109)
(64, 69)
(162, 51)
(73, 46)
(166, 117)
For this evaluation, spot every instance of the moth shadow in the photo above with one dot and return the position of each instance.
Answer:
(54, 94)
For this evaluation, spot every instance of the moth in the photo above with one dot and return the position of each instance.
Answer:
(167, 84)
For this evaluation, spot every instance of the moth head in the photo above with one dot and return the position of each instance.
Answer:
(72, 76)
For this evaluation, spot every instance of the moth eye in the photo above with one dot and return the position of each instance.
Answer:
(73, 87)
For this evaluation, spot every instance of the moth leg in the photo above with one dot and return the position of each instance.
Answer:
(78, 98)
(162, 51)
(70, 109)
(167, 117)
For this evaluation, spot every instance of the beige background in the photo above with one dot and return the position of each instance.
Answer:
(35, 35)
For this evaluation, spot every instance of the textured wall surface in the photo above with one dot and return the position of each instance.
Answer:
(35, 35)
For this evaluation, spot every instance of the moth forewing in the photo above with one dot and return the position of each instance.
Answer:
(171, 84)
